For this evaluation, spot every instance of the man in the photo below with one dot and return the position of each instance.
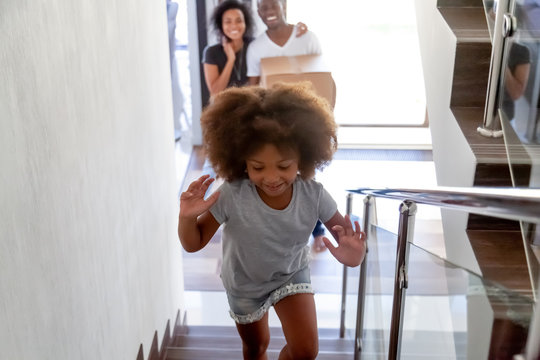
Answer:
(279, 39)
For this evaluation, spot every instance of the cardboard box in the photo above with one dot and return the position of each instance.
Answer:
(300, 68)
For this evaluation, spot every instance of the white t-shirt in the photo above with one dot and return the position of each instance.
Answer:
(262, 47)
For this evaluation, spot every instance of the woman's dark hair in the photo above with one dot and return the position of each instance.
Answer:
(217, 16)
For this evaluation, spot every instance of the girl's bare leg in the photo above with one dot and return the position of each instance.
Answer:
(255, 339)
(299, 322)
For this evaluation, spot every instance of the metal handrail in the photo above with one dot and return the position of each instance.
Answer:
(522, 204)
(503, 202)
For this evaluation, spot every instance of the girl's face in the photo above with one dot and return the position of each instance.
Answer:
(233, 23)
(273, 172)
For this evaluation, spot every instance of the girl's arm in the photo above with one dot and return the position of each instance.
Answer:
(196, 225)
(351, 247)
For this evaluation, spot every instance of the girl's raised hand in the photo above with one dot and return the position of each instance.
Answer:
(352, 243)
(192, 202)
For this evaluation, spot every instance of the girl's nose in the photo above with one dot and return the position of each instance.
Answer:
(271, 176)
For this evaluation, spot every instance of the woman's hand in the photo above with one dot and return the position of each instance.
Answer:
(352, 243)
(229, 50)
(192, 202)
(301, 29)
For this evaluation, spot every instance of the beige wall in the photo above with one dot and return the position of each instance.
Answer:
(90, 264)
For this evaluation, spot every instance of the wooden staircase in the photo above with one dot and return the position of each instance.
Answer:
(223, 342)
(497, 244)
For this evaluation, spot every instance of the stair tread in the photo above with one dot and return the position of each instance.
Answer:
(468, 23)
(222, 342)
(213, 330)
(226, 354)
(230, 342)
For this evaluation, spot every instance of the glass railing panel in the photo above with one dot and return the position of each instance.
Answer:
(379, 294)
(379, 297)
(444, 297)
(520, 114)
(428, 225)
(489, 10)
(452, 313)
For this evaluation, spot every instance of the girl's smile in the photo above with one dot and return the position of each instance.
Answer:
(273, 171)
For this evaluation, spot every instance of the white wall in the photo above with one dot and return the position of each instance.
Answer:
(90, 264)
(454, 161)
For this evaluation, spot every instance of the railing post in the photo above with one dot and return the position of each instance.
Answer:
(361, 301)
(491, 126)
(407, 211)
(532, 350)
(344, 279)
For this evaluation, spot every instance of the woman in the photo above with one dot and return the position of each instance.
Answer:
(224, 64)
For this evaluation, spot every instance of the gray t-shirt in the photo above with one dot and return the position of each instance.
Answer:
(263, 247)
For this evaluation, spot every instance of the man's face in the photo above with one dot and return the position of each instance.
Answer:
(271, 13)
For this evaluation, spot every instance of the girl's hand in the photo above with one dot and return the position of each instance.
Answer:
(352, 243)
(192, 202)
(229, 50)
(301, 29)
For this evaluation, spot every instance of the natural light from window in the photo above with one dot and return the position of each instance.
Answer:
(372, 49)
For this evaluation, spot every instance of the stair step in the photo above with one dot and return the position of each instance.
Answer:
(276, 343)
(208, 330)
(223, 342)
(229, 354)
(236, 354)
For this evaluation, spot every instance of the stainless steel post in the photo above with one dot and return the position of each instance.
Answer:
(344, 279)
(491, 126)
(533, 340)
(361, 301)
(407, 211)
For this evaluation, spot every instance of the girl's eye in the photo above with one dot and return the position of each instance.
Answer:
(284, 167)
(257, 168)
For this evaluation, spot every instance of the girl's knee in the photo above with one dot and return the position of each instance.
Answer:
(304, 350)
(255, 350)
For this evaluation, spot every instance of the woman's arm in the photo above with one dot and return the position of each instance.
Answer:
(215, 81)
(351, 247)
(301, 29)
(516, 81)
(196, 225)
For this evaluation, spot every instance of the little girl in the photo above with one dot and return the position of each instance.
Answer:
(266, 144)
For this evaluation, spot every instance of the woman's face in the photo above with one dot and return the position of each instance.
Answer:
(233, 23)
